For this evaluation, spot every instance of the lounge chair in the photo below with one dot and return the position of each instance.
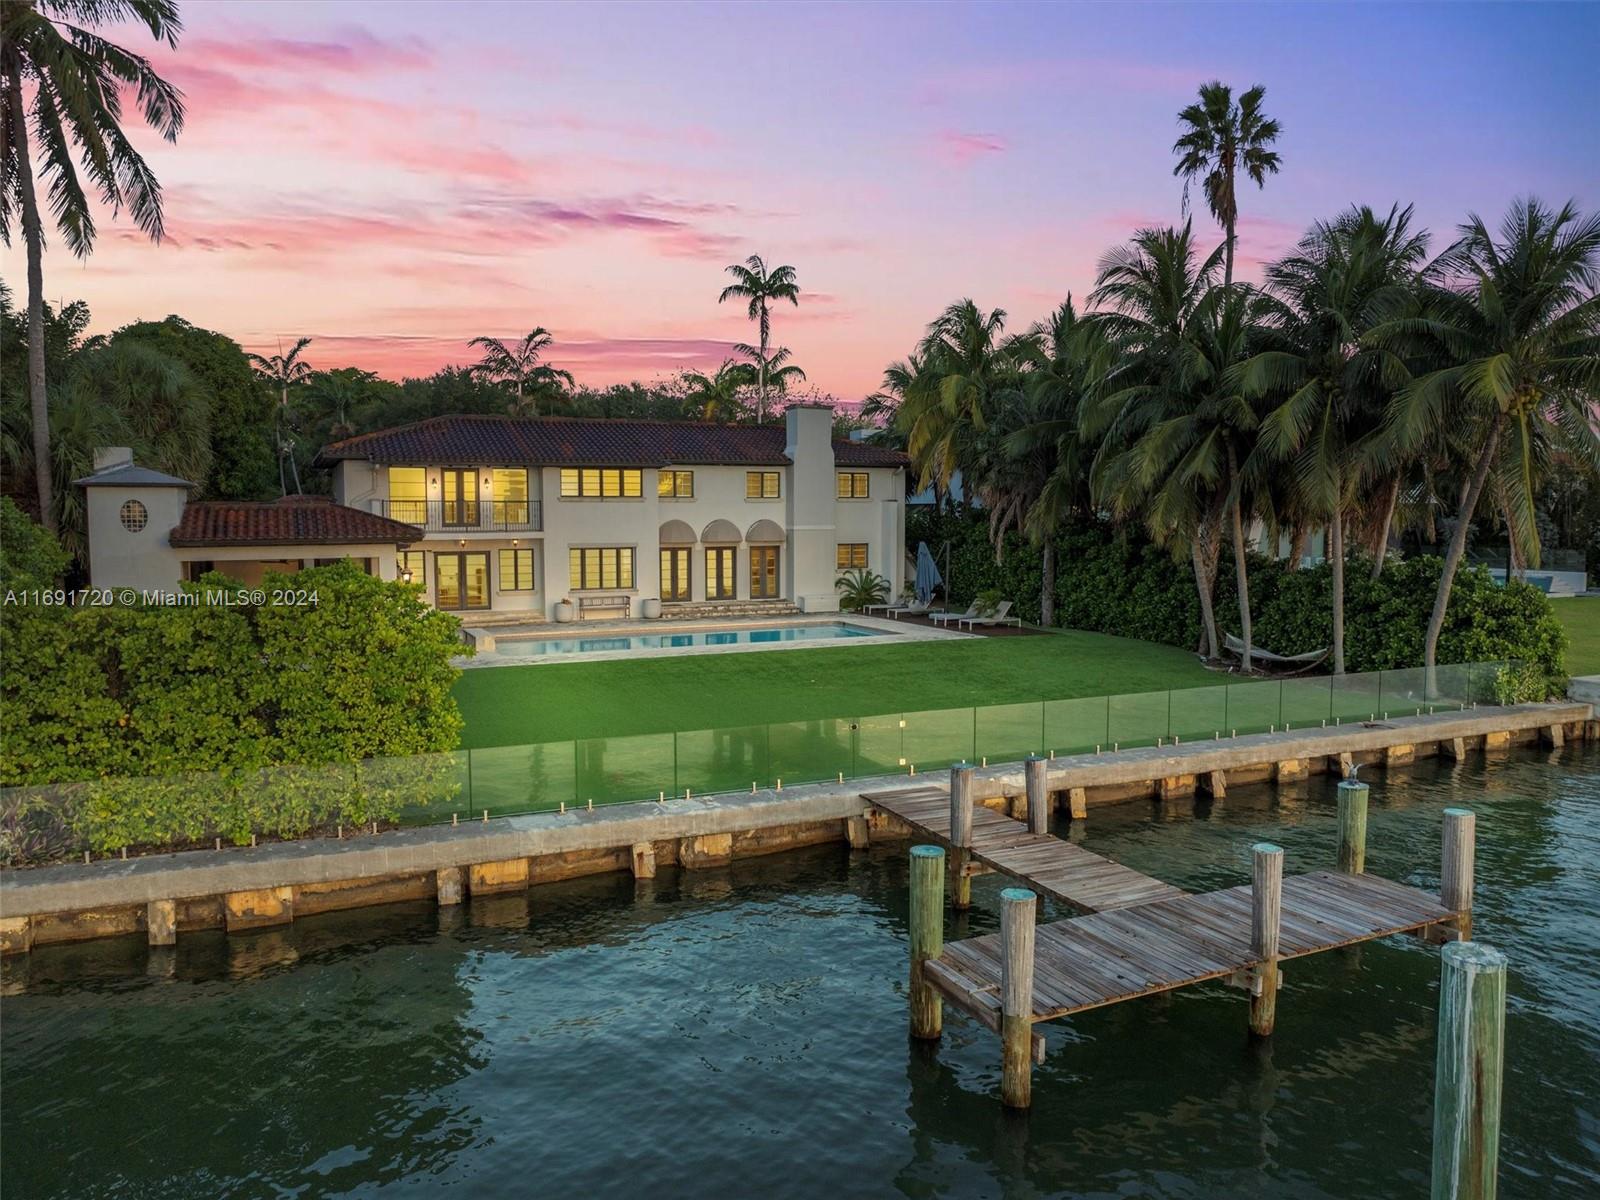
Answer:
(868, 609)
(1291, 663)
(916, 608)
(940, 618)
(1000, 616)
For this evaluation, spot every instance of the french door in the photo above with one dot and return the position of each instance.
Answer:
(460, 496)
(461, 581)
(675, 582)
(763, 572)
(720, 582)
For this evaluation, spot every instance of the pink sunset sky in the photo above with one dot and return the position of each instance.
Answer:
(394, 179)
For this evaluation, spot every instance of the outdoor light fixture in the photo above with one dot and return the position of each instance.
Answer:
(405, 576)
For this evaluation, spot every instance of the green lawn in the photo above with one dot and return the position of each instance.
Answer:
(506, 706)
(1581, 616)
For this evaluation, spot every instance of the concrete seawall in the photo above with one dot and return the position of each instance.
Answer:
(162, 896)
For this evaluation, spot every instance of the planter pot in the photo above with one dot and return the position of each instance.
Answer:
(650, 609)
(564, 612)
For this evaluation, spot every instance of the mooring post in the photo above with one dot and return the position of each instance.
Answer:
(927, 937)
(1034, 767)
(1266, 906)
(1455, 870)
(1017, 911)
(960, 833)
(1467, 1072)
(1352, 826)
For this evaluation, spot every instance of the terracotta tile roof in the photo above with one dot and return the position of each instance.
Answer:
(493, 441)
(291, 521)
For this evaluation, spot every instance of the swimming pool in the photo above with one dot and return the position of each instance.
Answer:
(689, 638)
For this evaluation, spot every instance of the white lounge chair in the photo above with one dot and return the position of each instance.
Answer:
(1000, 616)
(916, 608)
(868, 609)
(940, 618)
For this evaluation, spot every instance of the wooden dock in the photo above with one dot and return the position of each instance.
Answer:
(1139, 936)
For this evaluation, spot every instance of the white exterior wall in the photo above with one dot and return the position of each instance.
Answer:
(121, 558)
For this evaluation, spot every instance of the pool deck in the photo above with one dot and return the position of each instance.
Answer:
(884, 632)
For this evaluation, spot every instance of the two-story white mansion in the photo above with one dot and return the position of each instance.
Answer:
(508, 515)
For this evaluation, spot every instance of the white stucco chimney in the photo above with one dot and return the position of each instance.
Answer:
(107, 457)
(808, 444)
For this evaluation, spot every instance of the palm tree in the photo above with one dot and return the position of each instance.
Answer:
(78, 80)
(1518, 322)
(518, 366)
(1327, 382)
(755, 283)
(717, 397)
(1220, 139)
(774, 367)
(284, 371)
(1152, 290)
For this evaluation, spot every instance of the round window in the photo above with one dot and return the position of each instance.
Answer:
(134, 516)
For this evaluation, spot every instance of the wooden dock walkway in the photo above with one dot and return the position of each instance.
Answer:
(1058, 869)
(1139, 936)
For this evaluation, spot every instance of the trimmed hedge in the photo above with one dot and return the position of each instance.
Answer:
(1115, 581)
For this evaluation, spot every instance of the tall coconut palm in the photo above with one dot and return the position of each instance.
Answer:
(1220, 140)
(1326, 384)
(517, 366)
(1152, 290)
(758, 285)
(1517, 320)
(78, 80)
(283, 372)
(773, 366)
(719, 397)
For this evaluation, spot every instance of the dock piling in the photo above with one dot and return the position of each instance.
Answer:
(1038, 794)
(1352, 827)
(1266, 907)
(961, 834)
(1018, 908)
(1468, 1071)
(1455, 870)
(927, 938)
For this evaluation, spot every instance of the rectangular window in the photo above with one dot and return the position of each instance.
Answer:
(720, 582)
(850, 555)
(605, 483)
(596, 568)
(675, 582)
(853, 485)
(763, 572)
(408, 494)
(510, 496)
(516, 570)
(460, 506)
(413, 561)
(761, 485)
(677, 485)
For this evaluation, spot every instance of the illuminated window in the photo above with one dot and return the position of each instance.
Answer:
(511, 495)
(675, 581)
(591, 568)
(761, 485)
(720, 582)
(134, 515)
(516, 570)
(853, 485)
(408, 494)
(677, 485)
(850, 555)
(606, 483)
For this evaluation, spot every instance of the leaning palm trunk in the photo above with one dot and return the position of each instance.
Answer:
(1299, 537)
(1380, 537)
(1452, 558)
(1240, 571)
(1047, 582)
(33, 235)
(1336, 558)
(1204, 554)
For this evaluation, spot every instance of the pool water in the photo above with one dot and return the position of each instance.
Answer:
(742, 1032)
(546, 647)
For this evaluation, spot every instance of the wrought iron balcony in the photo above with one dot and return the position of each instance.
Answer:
(463, 516)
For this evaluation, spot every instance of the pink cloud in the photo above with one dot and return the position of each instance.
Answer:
(352, 51)
(959, 149)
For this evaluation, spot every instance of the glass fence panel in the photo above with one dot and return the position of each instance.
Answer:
(1076, 726)
(418, 789)
(809, 751)
(880, 745)
(1307, 703)
(1355, 697)
(613, 770)
(723, 760)
(1403, 693)
(1486, 678)
(1200, 714)
(1008, 732)
(1139, 718)
(1451, 688)
(1254, 707)
(938, 737)
(513, 779)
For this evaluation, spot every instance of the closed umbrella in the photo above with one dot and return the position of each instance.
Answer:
(928, 576)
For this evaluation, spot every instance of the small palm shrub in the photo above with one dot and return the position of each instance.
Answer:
(859, 588)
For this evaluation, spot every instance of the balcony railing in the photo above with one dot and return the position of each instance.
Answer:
(462, 516)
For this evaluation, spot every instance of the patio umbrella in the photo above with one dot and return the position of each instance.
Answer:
(928, 576)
